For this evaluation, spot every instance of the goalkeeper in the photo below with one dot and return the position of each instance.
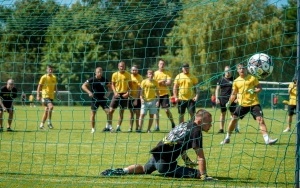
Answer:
(164, 155)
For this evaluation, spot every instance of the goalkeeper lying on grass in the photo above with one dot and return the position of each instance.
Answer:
(176, 143)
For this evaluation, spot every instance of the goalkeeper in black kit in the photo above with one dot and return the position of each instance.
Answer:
(7, 94)
(164, 156)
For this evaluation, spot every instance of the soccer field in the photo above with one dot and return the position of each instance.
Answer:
(70, 156)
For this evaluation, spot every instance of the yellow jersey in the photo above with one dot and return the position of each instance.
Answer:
(135, 85)
(121, 81)
(149, 88)
(293, 93)
(162, 75)
(48, 83)
(186, 83)
(241, 86)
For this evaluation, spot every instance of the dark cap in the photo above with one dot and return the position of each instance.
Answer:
(185, 65)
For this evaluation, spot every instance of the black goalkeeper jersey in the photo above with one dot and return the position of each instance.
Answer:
(225, 87)
(8, 95)
(98, 87)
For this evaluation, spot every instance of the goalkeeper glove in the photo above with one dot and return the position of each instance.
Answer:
(205, 177)
(251, 91)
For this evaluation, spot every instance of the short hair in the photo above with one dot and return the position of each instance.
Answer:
(50, 66)
(150, 70)
(202, 112)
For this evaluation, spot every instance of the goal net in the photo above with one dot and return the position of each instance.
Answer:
(76, 36)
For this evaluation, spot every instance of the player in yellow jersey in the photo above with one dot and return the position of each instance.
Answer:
(148, 96)
(246, 88)
(47, 87)
(163, 78)
(121, 81)
(134, 104)
(185, 92)
(292, 102)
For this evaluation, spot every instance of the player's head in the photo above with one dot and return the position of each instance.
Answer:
(241, 69)
(227, 72)
(98, 72)
(185, 68)
(121, 66)
(50, 69)
(150, 74)
(204, 119)
(161, 64)
(134, 69)
(10, 84)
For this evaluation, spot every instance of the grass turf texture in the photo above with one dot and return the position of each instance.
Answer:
(70, 156)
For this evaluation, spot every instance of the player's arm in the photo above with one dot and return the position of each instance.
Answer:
(257, 88)
(217, 94)
(195, 88)
(85, 87)
(1, 104)
(175, 91)
(109, 90)
(38, 91)
(141, 93)
(201, 161)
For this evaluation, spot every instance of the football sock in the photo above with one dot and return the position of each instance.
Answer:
(49, 121)
(118, 126)
(126, 170)
(266, 138)
(227, 136)
(42, 124)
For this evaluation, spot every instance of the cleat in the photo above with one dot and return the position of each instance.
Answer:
(272, 141)
(9, 129)
(138, 131)
(118, 129)
(129, 130)
(93, 130)
(42, 127)
(225, 141)
(156, 129)
(113, 172)
(221, 131)
(148, 131)
(50, 126)
(106, 129)
(287, 130)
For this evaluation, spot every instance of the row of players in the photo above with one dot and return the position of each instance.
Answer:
(145, 95)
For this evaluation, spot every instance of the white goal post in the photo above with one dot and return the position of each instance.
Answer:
(65, 97)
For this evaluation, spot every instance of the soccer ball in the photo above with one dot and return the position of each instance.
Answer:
(260, 65)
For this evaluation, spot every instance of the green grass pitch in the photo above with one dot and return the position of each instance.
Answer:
(70, 156)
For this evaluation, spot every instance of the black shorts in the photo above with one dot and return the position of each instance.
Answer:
(170, 169)
(100, 102)
(223, 105)
(255, 111)
(189, 104)
(164, 101)
(47, 101)
(8, 105)
(119, 102)
(134, 107)
(291, 110)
